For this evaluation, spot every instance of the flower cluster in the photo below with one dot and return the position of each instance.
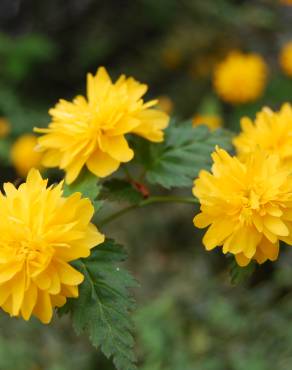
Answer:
(246, 200)
(41, 232)
(91, 131)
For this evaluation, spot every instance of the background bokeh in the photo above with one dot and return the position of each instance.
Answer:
(189, 316)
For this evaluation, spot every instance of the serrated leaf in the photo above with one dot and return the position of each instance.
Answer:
(87, 184)
(240, 275)
(185, 151)
(102, 310)
(120, 190)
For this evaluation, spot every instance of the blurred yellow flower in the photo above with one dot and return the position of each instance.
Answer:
(91, 131)
(24, 155)
(247, 206)
(285, 58)
(41, 232)
(4, 127)
(212, 121)
(240, 78)
(165, 104)
(286, 2)
(271, 131)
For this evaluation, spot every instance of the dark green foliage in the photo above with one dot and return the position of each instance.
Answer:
(121, 191)
(21, 117)
(163, 343)
(102, 310)
(185, 151)
(19, 55)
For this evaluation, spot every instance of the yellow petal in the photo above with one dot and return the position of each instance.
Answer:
(152, 123)
(97, 86)
(55, 284)
(42, 280)
(34, 178)
(58, 300)
(18, 292)
(244, 240)
(216, 233)
(242, 260)
(5, 291)
(101, 164)
(70, 291)
(202, 220)
(93, 237)
(51, 158)
(276, 225)
(73, 170)
(29, 301)
(43, 308)
(260, 257)
(68, 275)
(117, 147)
(8, 270)
(270, 250)
(128, 124)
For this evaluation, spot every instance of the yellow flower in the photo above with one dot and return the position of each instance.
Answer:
(285, 58)
(247, 206)
(92, 131)
(271, 131)
(23, 154)
(211, 121)
(41, 232)
(240, 78)
(4, 127)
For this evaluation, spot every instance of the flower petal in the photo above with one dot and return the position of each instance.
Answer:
(101, 164)
(43, 308)
(117, 147)
(29, 301)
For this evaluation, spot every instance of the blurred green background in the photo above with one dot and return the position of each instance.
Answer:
(189, 316)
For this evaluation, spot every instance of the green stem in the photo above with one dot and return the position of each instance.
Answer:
(146, 202)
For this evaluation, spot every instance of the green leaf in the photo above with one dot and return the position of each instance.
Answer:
(87, 184)
(102, 310)
(240, 275)
(185, 151)
(120, 190)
